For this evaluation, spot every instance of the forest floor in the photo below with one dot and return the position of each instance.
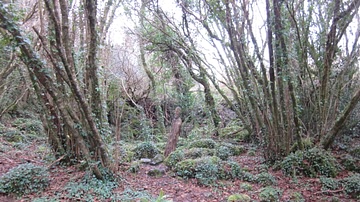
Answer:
(175, 188)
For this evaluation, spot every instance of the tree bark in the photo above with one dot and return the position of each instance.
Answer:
(174, 133)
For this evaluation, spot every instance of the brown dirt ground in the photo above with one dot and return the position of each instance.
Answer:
(177, 189)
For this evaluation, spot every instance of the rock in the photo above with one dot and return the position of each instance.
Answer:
(156, 172)
(145, 160)
(157, 159)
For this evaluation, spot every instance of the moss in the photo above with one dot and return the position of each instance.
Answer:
(203, 143)
(307, 143)
(194, 153)
(239, 198)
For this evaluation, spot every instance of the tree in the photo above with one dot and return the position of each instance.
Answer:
(73, 131)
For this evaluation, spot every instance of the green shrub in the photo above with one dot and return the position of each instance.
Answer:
(24, 179)
(207, 170)
(248, 177)
(235, 150)
(310, 163)
(223, 153)
(329, 183)
(203, 143)
(145, 150)
(29, 126)
(246, 186)
(351, 163)
(352, 185)
(91, 188)
(13, 135)
(186, 168)
(355, 152)
(269, 194)
(174, 157)
(265, 179)
(297, 197)
(239, 198)
(230, 170)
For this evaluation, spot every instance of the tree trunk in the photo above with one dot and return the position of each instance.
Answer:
(174, 133)
(340, 122)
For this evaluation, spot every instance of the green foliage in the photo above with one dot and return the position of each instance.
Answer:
(90, 187)
(246, 186)
(223, 152)
(206, 169)
(351, 163)
(13, 135)
(297, 197)
(265, 179)
(186, 168)
(24, 179)
(194, 153)
(235, 150)
(329, 183)
(310, 163)
(230, 170)
(234, 131)
(203, 143)
(248, 177)
(269, 194)
(307, 143)
(29, 126)
(129, 195)
(355, 152)
(239, 198)
(352, 185)
(145, 150)
(174, 157)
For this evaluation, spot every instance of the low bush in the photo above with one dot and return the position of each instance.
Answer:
(194, 153)
(230, 170)
(351, 163)
(265, 179)
(352, 185)
(310, 163)
(24, 179)
(203, 143)
(174, 157)
(223, 152)
(206, 169)
(269, 194)
(145, 150)
(91, 188)
(329, 183)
